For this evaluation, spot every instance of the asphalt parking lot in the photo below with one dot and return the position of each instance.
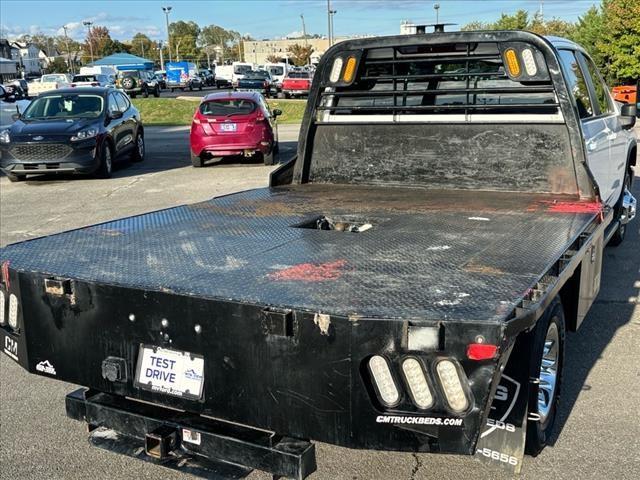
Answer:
(598, 434)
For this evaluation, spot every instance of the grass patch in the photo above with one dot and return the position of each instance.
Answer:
(171, 111)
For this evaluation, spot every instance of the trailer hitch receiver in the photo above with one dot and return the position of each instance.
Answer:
(161, 442)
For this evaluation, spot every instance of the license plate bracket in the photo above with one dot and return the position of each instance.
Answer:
(172, 372)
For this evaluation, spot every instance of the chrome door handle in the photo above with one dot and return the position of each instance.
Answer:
(592, 145)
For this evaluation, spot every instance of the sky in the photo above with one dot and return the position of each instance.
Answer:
(261, 18)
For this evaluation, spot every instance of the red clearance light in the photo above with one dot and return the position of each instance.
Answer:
(481, 351)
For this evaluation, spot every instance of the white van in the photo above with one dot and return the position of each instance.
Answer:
(277, 71)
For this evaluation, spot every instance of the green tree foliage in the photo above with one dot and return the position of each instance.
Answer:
(184, 39)
(57, 65)
(610, 33)
(300, 54)
(143, 46)
(620, 44)
(589, 32)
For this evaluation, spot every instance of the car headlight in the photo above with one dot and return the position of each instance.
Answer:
(4, 136)
(85, 134)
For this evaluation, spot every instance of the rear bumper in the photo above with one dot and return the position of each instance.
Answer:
(258, 363)
(177, 439)
(78, 158)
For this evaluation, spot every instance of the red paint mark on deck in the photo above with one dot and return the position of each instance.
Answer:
(310, 272)
(575, 207)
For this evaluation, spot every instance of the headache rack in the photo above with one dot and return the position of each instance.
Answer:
(454, 78)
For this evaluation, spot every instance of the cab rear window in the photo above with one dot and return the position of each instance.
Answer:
(227, 107)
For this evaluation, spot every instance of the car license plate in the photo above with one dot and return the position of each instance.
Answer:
(228, 127)
(170, 371)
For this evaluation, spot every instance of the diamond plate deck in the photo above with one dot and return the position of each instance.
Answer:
(430, 254)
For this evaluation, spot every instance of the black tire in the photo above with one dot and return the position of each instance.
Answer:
(200, 87)
(145, 92)
(133, 95)
(172, 90)
(621, 232)
(191, 88)
(105, 169)
(276, 148)
(16, 178)
(269, 158)
(539, 432)
(156, 92)
(139, 150)
(196, 161)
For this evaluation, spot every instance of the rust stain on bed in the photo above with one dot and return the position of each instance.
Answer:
(475, 267)
(310, 272)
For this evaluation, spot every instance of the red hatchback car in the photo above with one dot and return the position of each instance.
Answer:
(234, 123)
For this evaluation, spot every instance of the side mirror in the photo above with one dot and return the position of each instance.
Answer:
(277, 112)
(628, 113)
(115, 115)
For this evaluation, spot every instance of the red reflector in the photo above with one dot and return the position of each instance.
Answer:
(481, 351)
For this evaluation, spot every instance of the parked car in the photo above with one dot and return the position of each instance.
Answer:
(135, 82)
(14, 91)
(23, 84)
(207, 77)
(183, 75)
(296, 84)
(72, 130)
(234, 123)
(92, 80)
(50, 81)
(161, 80)
(278, 72)
(256, 81)
(10, 108)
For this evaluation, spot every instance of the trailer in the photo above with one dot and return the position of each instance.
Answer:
(404, 284)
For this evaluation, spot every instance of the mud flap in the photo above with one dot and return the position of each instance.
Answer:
(502, 439)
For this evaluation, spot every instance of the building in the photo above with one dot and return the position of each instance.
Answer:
(27, 55)
(257, 51)
(407, 27)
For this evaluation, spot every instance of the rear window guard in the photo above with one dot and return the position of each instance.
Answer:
(460, 80)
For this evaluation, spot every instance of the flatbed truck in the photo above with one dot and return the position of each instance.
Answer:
(404, 284)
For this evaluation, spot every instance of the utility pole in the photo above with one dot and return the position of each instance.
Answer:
(142, 46)
(436, 7)
(90, 37)
(330, 14)
(304, 35)
(66, 41)
(542, 10)
(166, 11)
(161, 56)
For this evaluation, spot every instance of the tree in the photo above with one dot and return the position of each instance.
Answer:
(184, 37)
(300, 54)
(620, 44)
(517, 21)
(143, 46)
(588, 32)
(273, 59)
(57, 65)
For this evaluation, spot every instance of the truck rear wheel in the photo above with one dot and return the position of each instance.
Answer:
(621, 232)
(546, 367)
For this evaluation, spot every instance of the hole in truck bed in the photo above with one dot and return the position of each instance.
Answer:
(335, 223)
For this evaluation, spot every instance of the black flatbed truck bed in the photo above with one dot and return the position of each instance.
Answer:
(429, 254)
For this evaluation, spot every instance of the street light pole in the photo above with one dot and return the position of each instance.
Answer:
(330, 14)
(90, 38)
(161, 56)
(166, 11)
(436, 7)
(66, 41)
